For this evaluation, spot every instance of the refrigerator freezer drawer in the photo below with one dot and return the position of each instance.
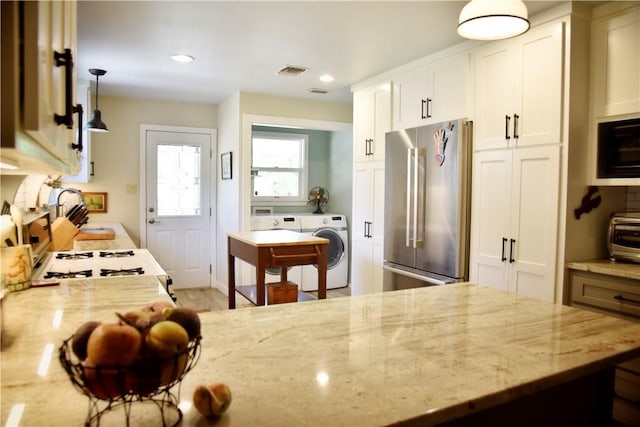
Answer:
(401, 277)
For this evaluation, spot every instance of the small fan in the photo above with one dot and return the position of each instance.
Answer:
(318, 197)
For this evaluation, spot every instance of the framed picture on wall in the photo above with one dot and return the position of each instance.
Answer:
(96, 202)
(225, 165)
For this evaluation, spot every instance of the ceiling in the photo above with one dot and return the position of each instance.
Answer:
(240, 45)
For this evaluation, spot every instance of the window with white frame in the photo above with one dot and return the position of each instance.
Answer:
(279, 167)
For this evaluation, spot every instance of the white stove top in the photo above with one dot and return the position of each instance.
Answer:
(97, 264)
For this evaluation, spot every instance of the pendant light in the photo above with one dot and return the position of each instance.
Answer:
(493, 19)
(96, 124)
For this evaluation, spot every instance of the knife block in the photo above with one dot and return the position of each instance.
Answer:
(62, 234)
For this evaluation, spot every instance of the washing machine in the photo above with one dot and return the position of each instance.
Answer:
(334, 228)
(277, 222)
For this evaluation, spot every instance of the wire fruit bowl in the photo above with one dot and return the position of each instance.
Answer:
(149, 380)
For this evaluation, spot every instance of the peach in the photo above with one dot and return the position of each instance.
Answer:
(166, 339)
(213, 399)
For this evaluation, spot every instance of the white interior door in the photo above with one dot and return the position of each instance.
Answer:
(178, 207)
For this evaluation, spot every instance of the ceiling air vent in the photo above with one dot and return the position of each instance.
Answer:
(318, 91)
(292, 70)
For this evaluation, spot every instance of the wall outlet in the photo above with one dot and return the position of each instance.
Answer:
(132, 188)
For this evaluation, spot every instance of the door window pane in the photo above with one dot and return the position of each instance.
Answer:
(179, 180)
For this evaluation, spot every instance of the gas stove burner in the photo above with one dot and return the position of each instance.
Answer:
(116, 254)
(77, 255)
(68, 275)
(107, 272)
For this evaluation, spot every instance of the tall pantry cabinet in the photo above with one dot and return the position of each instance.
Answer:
(372, 119)
(516, 169)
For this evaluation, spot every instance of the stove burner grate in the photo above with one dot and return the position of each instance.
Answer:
(107, 272)
(116, 254)
(77, 255)
(68, 275)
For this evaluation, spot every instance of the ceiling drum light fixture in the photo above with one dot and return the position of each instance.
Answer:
(493, 19)
(96, 124)
(182, 58)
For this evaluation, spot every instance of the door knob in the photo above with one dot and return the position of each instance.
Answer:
(151, 221)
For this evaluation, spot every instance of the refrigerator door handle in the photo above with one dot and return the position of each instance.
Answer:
(407, 215)
(415, 196)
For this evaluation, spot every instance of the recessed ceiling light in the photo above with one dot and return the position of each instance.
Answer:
(326, 78)
(182, 58)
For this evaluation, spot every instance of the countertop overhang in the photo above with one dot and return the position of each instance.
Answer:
(428, 355)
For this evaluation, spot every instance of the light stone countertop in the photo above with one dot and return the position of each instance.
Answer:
(623, 269)
(431, 353)
(121, 241)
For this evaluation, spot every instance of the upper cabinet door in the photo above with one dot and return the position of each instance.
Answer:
(518, 85)
(372, 120)
(494, 85)
(432, 93)
(50, 31)
(615, 53)
(538, 86)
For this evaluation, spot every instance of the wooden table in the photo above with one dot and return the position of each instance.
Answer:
(274, 248)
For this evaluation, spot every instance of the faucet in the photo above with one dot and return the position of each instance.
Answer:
(70, 190)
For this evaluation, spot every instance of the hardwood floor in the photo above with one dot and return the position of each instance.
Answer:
(210, 299)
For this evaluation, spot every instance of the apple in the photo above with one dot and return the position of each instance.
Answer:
(113, 345)
(166, 339)
(185, 317)
(81, 337)
(213, 399)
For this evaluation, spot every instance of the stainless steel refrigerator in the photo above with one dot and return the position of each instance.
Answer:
(427, 205)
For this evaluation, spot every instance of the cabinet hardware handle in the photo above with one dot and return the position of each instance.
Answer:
(78, 109)
(507, 119)
(429, 107)
(622, 298)
(370, 146)
(65, 60)
(92, 168)
(515, 126)
(367, 229)
(511, 259)
(423, 102)
(503, 258)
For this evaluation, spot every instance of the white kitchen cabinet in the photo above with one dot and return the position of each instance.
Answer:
(431, 93)
(85, 172)
(367, 227)
(615, 60)
(515, 220)
(518, 89)
(372, 119)
(38, 83)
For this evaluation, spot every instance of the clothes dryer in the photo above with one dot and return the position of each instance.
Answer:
(334, 228)
(277, 222)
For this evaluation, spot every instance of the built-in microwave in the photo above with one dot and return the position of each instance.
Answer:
(619, 149)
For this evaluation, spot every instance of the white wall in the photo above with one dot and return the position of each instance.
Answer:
(116, 153)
